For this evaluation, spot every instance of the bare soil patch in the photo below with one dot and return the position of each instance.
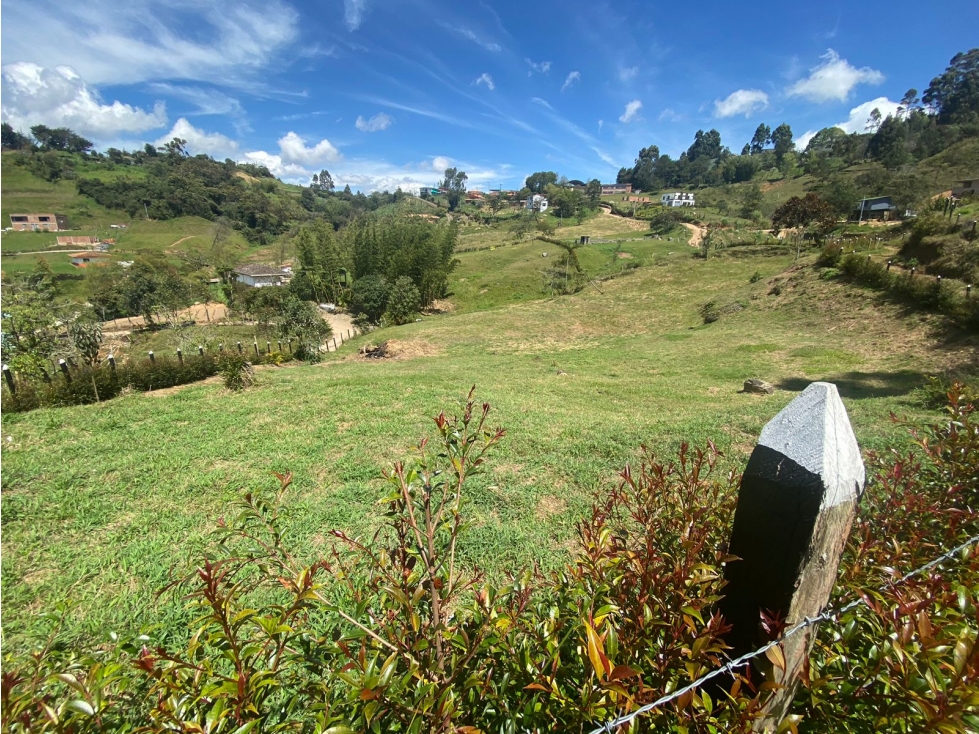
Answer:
(624, 255)
(399, 349)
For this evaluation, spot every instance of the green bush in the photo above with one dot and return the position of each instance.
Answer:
(830, 255)
(710, 312)
(236, 371)
(403, 303)
(94, 384)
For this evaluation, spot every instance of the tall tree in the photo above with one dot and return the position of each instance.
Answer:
(889, 144)
(782, 140)
(538, 182)
(873, 122)
(705, 145)
(909, 102)
(593, 190)
(454, 185)
(10, 139)
(760, 139)
(644, 172)
(955, 93)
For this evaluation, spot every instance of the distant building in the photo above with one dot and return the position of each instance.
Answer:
(38, 222)
(536, 203)
(83, 259)
(258, 275)
(77, 241)
(969, 187)
(878, 207)
(677, 199)
(616, 188)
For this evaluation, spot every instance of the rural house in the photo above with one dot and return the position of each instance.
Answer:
(258, 275)
(616, 188)
(878, 207)
(537, 203)
(677, 199)
(38, 222)
(82, 259)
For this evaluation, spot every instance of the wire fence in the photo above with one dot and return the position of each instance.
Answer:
(610, 726)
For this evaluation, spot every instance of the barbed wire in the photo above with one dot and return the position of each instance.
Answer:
(610, 726)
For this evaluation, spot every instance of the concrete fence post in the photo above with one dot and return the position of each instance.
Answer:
(256, 349)
(152, 358)
(239, 348)
(268, 347)
(64, 370)
(200, 350)
(112, 362)
(8, 376)
(797, 501)
(180, 356)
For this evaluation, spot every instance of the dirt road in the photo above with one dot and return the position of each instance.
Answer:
(198, 312)
(696, 234)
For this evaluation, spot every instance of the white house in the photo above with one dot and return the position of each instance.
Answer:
(677, 199)
(537, 203)
(259, 276)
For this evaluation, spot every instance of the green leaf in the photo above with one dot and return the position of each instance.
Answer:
(82, 707)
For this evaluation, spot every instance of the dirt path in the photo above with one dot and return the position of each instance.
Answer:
(632, 223)
(183, 239)
(197, 312)
(341, 323)
(696, 234)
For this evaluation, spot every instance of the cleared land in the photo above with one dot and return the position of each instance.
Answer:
(100, 502)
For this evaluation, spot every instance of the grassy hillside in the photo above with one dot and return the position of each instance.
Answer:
(101, 501)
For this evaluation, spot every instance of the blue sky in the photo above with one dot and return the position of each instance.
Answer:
(388, 93)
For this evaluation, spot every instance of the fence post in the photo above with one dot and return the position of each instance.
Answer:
(268, 347)
(9, 378)
(334, 344)
(152, 358)
(64, 370)
(200, 350)
(290, 346)
(180, 356)
(796, 504)
(112, 362)
(239, 348)
(968, 291)
(279, 346)
(256, 348)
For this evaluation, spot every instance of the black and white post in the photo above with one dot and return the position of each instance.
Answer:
(796, 504)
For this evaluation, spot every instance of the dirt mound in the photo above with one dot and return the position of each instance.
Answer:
(398, 349)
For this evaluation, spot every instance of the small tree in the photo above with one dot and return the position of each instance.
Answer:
(369, 297)
(403, 301)
(299, 320)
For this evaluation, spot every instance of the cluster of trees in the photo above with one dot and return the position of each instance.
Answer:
(43, 138)
(946, 113)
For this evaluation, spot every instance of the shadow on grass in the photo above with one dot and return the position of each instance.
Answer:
(858, 385)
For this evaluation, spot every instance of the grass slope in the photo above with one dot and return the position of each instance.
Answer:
(101, 501)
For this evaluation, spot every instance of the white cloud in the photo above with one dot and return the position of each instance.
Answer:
(742, 102)
(471, 35)
(574, 76)
(542, 68)
(833, 80)
(604, 156)
(198, 141)
(440, 163)
(628, 73)
(631, 111)
(108, 42)
(487, 80)
(802, 142)
(670, 115)
(601, 123)
(380, 121)
(353, 13)
(293, 150)
(59, 97)
(206, 101)
(857, 121)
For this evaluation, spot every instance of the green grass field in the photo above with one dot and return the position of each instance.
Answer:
(102, 501)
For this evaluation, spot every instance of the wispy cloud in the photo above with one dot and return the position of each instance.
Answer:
(574, 76)
(669, 115)
(741, 102)
(833, 80)
(486, 79)
(631, 112)
(301, 116)
(112, 44)
(628, 73)
(378, 122)
(353, 13)
(541, 68)
(472, 36)
(420, 111)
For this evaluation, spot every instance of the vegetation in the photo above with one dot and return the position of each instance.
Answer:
(416, 642)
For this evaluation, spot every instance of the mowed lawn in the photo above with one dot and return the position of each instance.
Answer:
(101, 502)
